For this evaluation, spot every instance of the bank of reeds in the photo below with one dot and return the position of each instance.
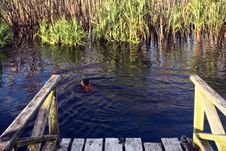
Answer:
(5, 34)
(164, 21)
(121, 20)
(62, 32)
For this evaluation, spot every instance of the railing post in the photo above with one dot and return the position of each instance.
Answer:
(199, 115)
(41, 121)
(53, 118)
(198, 112)
(198, 124)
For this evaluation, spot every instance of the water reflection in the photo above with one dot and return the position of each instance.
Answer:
(135, 88)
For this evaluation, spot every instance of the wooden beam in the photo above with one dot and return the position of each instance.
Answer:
(11, 134)
(214, 121)
(212, 95)
(203, 145)
(199, 113)
(212, 137)
(41, 121)
(35, 140)
(53, 118)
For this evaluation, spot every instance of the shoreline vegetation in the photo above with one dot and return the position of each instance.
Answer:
(74, 22)
(5, 35)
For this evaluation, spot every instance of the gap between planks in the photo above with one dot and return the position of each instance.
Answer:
(115, 144)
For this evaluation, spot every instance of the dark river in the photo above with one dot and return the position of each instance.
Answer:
(144, 93)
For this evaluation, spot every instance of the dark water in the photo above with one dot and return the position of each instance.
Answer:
(144, 94)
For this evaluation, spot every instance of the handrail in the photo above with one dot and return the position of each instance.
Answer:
(45, 102)
(206, 102)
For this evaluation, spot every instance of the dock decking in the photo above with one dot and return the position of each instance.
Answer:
(115, 144)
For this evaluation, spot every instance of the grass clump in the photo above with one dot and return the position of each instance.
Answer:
(5, 35)
(62, 32)
(121, 20)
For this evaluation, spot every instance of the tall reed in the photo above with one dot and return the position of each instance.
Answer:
(122, 20)
(65, 32)
(5, 35)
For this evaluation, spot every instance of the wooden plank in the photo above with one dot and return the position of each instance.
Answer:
(213, 96)
(171, 144)
(133, 144)
(41, 121)
(153, 147)
(53, 118)
(50, 146)
(198, 112)
(113, 144)
(35, 140)
(78, 144)
(94, 144)
(11, 134)
(64, 144)
(214, 122)
(203, 145)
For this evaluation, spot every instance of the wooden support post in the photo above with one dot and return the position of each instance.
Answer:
(214, 121)
(9, 137)
(198, 112)
(41, 121)
(53, 118)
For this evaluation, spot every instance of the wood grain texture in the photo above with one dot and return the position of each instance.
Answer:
(93, 144)
(12, 133)
(133, 144)
(41, 121)
(153, 147)
(171, 144)
(113, 144)
(213, 96)
(78, 144)
(64, 144)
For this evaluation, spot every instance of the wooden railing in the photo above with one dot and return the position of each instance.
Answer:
(45, 104)
(207, 101)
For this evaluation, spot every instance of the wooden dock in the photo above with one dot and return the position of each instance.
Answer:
(115, 144)
(207, 104)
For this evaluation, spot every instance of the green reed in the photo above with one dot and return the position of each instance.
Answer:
(5, 35)
(62, 31)
(121, 21)
(132, 21)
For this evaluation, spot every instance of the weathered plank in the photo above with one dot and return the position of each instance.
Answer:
(50, 146)
(202, 144)
(11, 134)
(41, 121)
(133, 144)
(64, 144)
(214, 122)
(94, 144)
(77, 144)
(171, 144)
(213, 96)
(153, 147)
(53, 118)
(113, 144)
(35, 140)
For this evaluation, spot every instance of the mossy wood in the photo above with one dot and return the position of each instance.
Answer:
(207, 101)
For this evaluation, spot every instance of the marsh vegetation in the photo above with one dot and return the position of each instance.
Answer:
(132, 21)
